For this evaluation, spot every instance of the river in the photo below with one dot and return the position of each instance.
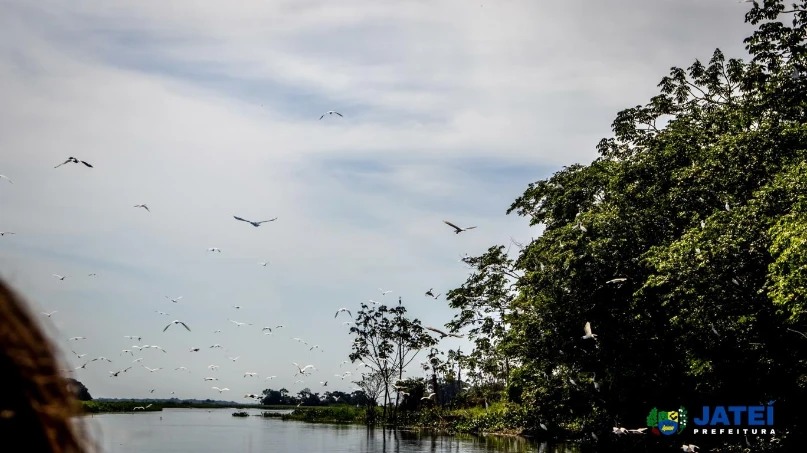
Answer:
(202, 430)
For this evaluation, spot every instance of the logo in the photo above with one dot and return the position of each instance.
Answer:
(667, 423)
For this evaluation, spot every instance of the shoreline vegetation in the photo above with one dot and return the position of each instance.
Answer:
(498, 419)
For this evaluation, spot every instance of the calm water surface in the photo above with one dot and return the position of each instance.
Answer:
(202, 430)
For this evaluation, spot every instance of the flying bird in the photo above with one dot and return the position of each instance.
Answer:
(384, 293)
(430, 292)
(176, 321)
(263, 263)
(444, 334)
(142, 206)
(50, 314)
(116, 373)
(255, 224)
(77, 338)
(220, 390)
(330, 112)
(250, 374)
(3, 233)
(588, 333)
(616, 280)
(343, 309)
(73, 160)
(214, 249)
(6, 178)
(60, 277)
(457, 230)
(174, 300)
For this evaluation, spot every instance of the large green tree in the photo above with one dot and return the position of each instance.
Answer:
(683, 244)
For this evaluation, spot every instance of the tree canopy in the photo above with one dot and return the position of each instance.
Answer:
(684, 244)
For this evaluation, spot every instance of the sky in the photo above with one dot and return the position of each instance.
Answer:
(208, 110)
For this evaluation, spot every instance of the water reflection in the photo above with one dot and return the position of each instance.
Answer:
(200, 431)
(405, 441)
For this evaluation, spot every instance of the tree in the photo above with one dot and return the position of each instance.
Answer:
(682, 244)
(79, 390)
(484, 304)
(387, 342)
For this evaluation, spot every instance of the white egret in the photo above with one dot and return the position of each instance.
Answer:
(176, 321)
(458, 230)
(343, 309)
(588, 333)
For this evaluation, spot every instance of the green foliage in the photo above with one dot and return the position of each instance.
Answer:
(386, 341)
(79, 390)
(333, 414)
(683, 244)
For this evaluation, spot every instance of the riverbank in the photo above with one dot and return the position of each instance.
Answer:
(100, 407)
(499, 419)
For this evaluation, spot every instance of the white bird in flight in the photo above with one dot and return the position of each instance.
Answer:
(175, 300)
(220, 390)
(176, 321)
(239, 324)
(616, 280)
(3, 233)
(343, 309)
(50, 314)
(142, 206)
(250, 374)
(458, 230)
(6, 178)
(264, 263)
(255, 224)
(444, 334)
(214, 249)
(302, 370)
(383, 292)
(151, 369)
(73, 160)
(330, 112)
(77, 338)
(588, 333)
(60, 277)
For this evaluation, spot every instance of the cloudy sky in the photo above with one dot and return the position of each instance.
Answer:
(204, 110)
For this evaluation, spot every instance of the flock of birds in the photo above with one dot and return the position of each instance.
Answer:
(300, 370)
(303, 371)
